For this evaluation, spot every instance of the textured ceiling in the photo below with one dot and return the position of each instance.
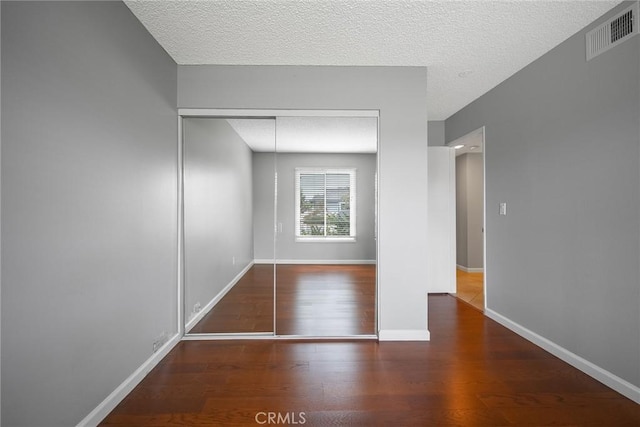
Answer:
(493, 39)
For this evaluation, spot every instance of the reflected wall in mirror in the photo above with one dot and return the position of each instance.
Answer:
(224, 290)
(325, 240)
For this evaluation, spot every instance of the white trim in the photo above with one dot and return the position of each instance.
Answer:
(404, 335)
(469, 269)
(607, 378)
(275, 113)
(207, 308)
(453, 240)
(328, 239)
(107, 405)
(180, 231)
(317, 261)
(215, 336)
(369, 337)
(271, 337)
(484, 216)
(275, 232)
(236, 112)
(324, 171)
(483, 132)
(376, 233)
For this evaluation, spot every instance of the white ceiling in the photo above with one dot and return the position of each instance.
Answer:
(309, 134)
(488, 40)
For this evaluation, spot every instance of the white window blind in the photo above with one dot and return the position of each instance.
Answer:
(325, 204)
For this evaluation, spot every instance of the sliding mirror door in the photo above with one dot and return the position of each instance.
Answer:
(326, 226)
(226, 289)
(279, 222)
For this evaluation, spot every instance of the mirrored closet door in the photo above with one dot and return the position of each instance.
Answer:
(279, 225)
(325, 240)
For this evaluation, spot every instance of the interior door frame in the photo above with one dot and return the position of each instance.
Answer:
(184, 113)
(483, 133)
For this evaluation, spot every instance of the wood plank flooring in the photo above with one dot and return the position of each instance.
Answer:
(247, 307)
(311, 300)
(325, 300)
(470, 288)
(473, 372)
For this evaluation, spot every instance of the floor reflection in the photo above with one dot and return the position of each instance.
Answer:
(247, 307)
(312, 300)
(325, 300)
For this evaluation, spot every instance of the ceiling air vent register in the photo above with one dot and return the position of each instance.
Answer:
(613, 32)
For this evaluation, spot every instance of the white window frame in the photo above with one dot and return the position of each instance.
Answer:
(352, 204)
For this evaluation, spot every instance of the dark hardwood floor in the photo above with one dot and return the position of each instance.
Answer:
(311, 300)
(325, 300)
(247, 307)
(473, 372)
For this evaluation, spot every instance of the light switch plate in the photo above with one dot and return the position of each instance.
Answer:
(503, 208)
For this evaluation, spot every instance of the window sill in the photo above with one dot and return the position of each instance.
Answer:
(350, 239)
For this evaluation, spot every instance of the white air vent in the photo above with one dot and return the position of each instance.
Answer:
(613, 32)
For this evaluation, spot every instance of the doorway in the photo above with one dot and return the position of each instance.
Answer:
(278, 223)
(470, 223)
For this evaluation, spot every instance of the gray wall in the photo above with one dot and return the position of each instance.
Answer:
(398, 93)
(218, 208)
(88, 205)
(436, 133)
(263, 165)
(469, 210)
(364, 248)
(563, 150)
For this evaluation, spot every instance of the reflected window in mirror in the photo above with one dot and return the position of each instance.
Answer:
(325, 204)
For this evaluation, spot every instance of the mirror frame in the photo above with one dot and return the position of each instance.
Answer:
(184, 113)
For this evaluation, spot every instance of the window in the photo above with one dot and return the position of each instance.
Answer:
(325, 204)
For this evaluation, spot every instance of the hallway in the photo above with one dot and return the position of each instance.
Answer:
(470, 288)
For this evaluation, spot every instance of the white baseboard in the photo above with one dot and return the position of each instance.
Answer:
(270, 336)
(404, 335)
(317, 261)
(116, 396)
(470, 269)
(207, 308)
(607, 378)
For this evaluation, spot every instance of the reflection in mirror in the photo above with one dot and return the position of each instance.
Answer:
(321, 207)
(326, 221)
(225, 290)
